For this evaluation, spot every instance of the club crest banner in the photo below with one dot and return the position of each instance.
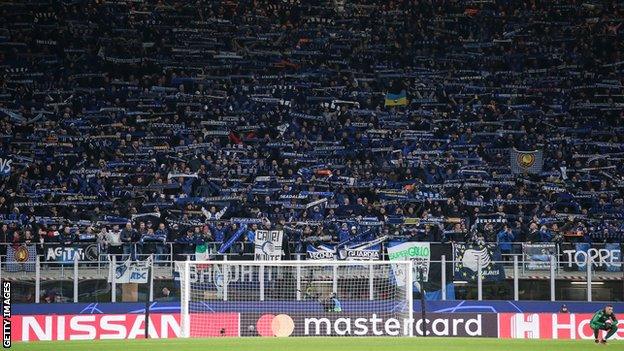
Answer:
(21, 258)
(526, 161)
(467, 258)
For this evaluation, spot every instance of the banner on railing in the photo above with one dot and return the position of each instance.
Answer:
(607, 257)
(65, 254)
(537, 256)
(362, 252)
(417, 252)
(130, 271)
(468, 256)
(21, 258)
(355, 254)
(201, 252)
(321, 252)
(428, 258)
(268, 245)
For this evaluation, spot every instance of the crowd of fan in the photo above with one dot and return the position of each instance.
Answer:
(188, 122)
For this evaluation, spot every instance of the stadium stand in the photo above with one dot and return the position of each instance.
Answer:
(159, 126)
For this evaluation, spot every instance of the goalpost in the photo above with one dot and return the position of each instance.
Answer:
(296, 298)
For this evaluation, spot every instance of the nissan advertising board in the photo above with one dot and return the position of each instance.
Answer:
(119, 326)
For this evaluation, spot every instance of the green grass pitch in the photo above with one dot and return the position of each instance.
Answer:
(320, 344)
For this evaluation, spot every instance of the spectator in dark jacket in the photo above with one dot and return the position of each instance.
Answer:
(218, 232)
(127, 235)
(545, 234)
(343, 232)
(66, 236)
(534, 234)
(187, 243)
(158, 239)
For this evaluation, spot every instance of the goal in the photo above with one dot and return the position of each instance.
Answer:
(296, 298)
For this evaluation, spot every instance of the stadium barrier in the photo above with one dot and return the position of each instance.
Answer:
(606, 257)
(455, 306)
(41, 327)
(75, 274)
(91, 251)
(88, 281)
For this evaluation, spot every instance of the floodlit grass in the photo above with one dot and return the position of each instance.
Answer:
(320, 344)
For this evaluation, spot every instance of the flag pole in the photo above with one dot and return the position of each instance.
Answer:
(149, 295)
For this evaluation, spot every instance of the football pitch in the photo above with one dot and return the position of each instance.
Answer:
(321, 344)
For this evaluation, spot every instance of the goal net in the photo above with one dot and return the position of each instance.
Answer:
(296, 298)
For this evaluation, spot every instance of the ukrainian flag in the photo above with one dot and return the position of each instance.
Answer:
(399, 99)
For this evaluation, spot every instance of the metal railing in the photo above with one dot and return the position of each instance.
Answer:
(515, 271)
(52, 250)
(165, 253)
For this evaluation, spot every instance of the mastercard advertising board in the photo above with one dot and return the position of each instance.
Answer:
(366, 324)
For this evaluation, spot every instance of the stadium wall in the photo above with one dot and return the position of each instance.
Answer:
(167, 325)
(502, 319)
(455, 306)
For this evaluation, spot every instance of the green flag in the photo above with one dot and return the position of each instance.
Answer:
(201, 253)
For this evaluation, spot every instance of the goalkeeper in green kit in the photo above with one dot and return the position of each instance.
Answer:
(604, 320)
